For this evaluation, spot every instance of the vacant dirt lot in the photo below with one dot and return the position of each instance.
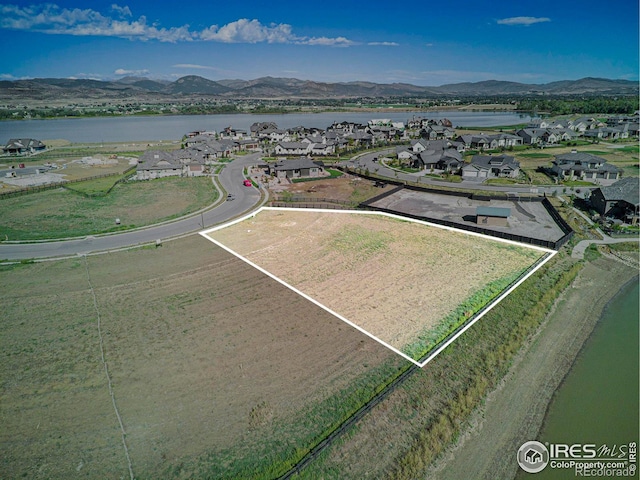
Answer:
(348, 188)
(396, 279)
(217, 370)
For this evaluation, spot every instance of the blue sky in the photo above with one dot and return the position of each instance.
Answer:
(423, 43)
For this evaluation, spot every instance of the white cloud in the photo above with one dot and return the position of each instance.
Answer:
(53, 19)
(122, 11)
(252, 31)
(122, 71)
(326, 41)
(523, 20)
(194, 66)
(248, 31)
(384, 44)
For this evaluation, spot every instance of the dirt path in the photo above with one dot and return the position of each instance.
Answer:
(513, 413)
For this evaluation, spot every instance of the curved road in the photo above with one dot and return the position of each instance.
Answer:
(230, 178)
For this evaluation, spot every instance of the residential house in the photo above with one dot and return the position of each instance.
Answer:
(538, 136)
(608, 133)
(23, 146)
(233, 134)
(437, 156)
(437, 132)
(620, 200)
(583, 124)
(405, 155)
(323, 149)
(158, 164)
(503, 140)
(488, 166)
(475, 142)
(301, 167)
(262, 129)
(292, 148)
(584, 166)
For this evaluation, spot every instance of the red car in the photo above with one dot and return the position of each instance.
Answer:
(247, 183)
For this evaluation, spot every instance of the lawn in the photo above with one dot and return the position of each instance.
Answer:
(62, 213)
(406, 283)
(215, 372)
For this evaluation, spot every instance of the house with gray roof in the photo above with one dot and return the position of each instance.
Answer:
(503, 140)
(483, 167)
(292, 148)
(158, 164)
(436, 155)
(23, 146)
(474, 142)
(620, 200)
(584, 166)
(538, 136)
(297, 168)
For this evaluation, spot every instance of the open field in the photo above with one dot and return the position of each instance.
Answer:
(404, 282)
(216, 373)
(61, 213)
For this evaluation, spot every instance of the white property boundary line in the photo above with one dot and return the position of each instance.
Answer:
(440, 348)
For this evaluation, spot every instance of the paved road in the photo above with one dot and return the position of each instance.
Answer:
(581, 247)
(231, 177)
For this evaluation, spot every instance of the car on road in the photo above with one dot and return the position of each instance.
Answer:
(230, 197)
(247, 183)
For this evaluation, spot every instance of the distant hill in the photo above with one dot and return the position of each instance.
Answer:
(273, 87)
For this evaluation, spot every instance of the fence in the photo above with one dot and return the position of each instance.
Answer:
(50, 186)
(313, 202)
(555, 245)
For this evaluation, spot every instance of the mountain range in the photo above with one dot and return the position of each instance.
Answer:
(275, 88)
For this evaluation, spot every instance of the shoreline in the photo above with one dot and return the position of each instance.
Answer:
(488, 441)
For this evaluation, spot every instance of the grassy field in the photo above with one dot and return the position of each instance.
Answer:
(215, 372)
(406, 283)
(62, 213)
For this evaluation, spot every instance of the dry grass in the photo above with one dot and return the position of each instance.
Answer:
(215, 371)
(396, 279)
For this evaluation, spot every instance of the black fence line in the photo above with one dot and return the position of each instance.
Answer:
(324, 205)
(357, 416)
(314, 200)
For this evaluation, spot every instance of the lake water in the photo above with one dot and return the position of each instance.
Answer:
(598, 401)
(172, 127)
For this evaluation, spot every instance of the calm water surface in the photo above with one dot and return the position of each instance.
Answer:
(126, 129)
(598, 401)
